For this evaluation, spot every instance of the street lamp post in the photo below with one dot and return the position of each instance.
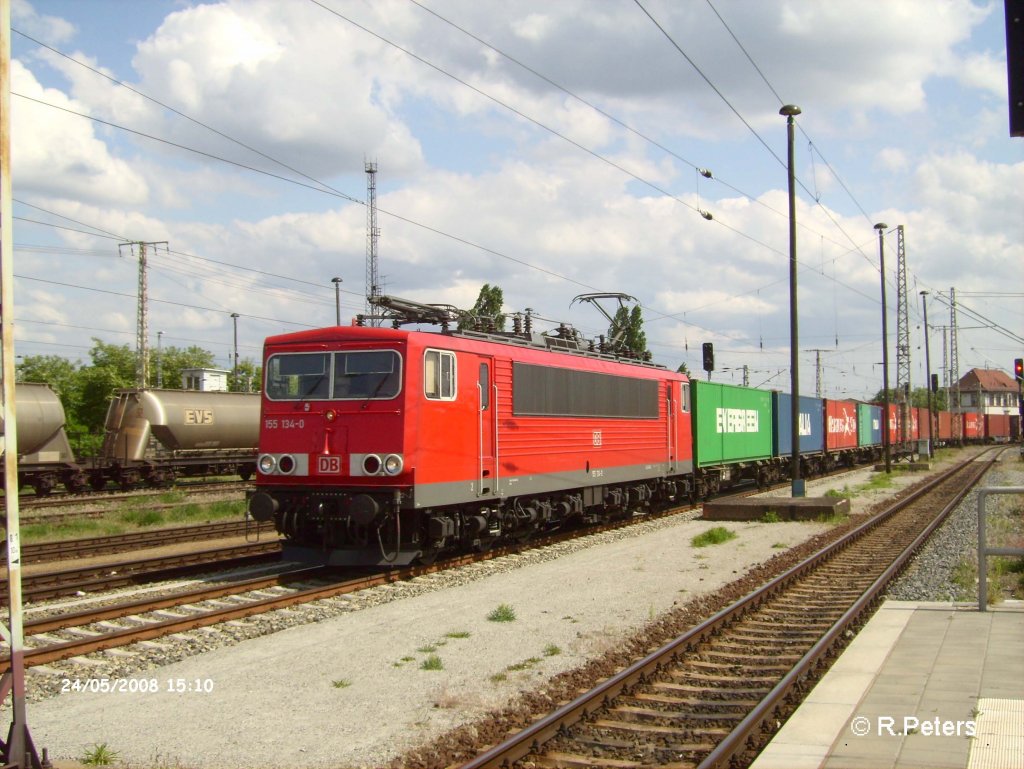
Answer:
(886, 443)
(337, 300)
(234, 371)
(790, 111)
(928, 373)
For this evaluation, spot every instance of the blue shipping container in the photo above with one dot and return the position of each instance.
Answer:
(812, 425)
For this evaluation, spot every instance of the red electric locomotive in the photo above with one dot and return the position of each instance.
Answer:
(388, 446)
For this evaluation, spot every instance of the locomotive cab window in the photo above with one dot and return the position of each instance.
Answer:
(365, 375)
(439, 375)
(297, 376)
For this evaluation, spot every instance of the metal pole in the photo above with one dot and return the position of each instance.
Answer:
(337, 300)
(928, 375)
(159, 360)
(881, 227)
(234, 371)
(791, 110)
(18, 749)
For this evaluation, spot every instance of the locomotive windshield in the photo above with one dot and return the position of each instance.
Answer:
(362, 375)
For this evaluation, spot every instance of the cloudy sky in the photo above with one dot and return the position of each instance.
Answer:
(550, 148)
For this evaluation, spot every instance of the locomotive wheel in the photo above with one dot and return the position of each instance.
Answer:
(97, 482)
(428, 556)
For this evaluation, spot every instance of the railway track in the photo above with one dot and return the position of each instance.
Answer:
(106, 576)
(64, 550)
(714, 695)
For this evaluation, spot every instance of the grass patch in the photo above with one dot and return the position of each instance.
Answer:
(432, 662)
(427, 649)
(497, 678)
(99, 755)
(458, 634)
(504, 613)
(836, 494)
(130, 517)
(770, 517)
(780, 545)
(551, 650)
(715, 536)
(341, 683)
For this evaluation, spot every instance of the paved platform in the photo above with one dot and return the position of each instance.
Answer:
(922, 686)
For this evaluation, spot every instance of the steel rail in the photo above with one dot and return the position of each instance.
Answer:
(530, 739)
(65, 582)
(66, 549)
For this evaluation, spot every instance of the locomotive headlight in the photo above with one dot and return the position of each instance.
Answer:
(286, 464)
(393, 464)
(371, 464)
(267, 463)
(330, 416)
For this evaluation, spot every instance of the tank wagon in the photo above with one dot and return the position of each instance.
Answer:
(389, 446)
(44, 455)
(151, 437)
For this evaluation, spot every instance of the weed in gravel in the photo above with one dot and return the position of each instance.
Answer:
(100, 755)
(341, 683)
(551, 650)
(836, 494)
(833, 519)
(433, 662)
(427, 649)
(458, 634)
(497, 678)
(142, 517)
(770, 517)
(504, 613)
(780, 545)
(715, 536)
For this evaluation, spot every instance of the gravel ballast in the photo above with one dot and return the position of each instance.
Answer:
(355, 689)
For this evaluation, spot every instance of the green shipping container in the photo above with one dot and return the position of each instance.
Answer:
(731, 424)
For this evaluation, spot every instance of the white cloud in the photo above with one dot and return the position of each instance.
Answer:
(58, 153)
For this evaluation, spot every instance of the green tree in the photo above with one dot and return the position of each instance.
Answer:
(250, 377)
(59, 373)
(172, 360)
(918, 397)
(684, 369)
(118, 360)
(486, 314)
(630, 324)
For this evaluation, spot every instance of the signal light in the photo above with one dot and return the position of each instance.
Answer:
(709, 356)
(1018, 369)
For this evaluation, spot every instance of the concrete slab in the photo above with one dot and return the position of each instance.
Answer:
(786, 508)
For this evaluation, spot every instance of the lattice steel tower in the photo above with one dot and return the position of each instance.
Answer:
(142, 314)
(372, 236)
(902, 317)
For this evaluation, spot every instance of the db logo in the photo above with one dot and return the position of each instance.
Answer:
(328, 465)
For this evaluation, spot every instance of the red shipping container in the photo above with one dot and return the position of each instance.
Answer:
(945, 431)
(924, 422)
(997, 427)
(840, 425)
(972, 426)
